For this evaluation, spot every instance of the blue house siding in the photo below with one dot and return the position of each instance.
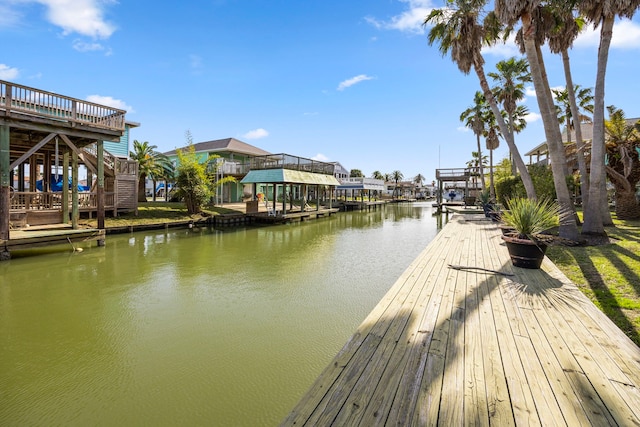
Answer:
(120, 148)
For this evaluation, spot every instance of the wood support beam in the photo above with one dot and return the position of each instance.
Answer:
(100, 186)
(65, 187)
(5, 201)
(75, 214)
(31, 151)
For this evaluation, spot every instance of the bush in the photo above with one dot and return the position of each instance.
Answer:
(192, 180)
(509, 188)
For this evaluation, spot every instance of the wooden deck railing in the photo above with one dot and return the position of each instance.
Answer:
(42, 201)
(28, 100)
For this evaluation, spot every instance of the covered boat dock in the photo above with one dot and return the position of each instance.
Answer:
(37, 130)
(285, 184)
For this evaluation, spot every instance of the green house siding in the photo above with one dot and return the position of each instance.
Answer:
(120, 148)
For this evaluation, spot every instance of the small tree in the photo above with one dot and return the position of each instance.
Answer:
(356, 173)
(192, 180)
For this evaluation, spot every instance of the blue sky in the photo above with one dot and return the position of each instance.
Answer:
(350, 81)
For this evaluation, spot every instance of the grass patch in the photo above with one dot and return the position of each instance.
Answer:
(157, 213)
(609, 274)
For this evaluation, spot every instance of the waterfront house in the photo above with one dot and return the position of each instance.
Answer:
(233, 159)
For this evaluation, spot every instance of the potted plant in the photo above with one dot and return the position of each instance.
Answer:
(486, 203)
(529, 219)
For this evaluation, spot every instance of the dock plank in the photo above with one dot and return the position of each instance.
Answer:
(458, 347)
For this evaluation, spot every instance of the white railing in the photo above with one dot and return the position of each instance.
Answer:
(361, 180)
(28, 100)
(109, 159)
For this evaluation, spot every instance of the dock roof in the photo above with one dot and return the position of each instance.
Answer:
(288, 176)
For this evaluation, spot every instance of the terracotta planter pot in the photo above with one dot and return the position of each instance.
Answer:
(525, 253)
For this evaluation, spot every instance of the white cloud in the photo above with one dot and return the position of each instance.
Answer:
(532, 117)
(256, 134)
(320, 157)
(409, 21)
(8, 73)
(82, 46)
(8, 16)
(503, 50)
(84, 17)
(353, 80)
(79, 16)
(463, 129)
(111, 102)
(626, 35)
(315, 113)
(530, 91)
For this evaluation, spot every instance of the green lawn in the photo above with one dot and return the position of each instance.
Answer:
(609, 275)
(157, 212)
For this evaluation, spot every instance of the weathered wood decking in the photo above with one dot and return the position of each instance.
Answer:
(50, 235)
(453, 347)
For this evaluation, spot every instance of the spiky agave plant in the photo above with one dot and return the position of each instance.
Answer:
(530, 217)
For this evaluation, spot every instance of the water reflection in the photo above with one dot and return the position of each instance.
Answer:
(201, 326)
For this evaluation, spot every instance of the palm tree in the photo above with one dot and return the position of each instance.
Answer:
(561, 37)
(492, 142)
(377, 175)
(476, 162)
(601, 13)
(583, 100)
(396, 176)
(458, 31)
(531, 37)
(623, 161)
(474, 118)
(510, 77)
(150, 164)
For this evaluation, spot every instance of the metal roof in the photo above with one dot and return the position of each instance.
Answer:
(227, 144)
(288, 176)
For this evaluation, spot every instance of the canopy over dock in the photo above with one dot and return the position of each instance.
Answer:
(287, 179)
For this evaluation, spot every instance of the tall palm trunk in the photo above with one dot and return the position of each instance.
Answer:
(480, 164)
(142, 193)
(575, 113)
(568, 227)
(508, 136)
(569, 207)
(492, 188)
(594, 211)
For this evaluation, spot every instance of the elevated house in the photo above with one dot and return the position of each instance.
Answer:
(233, 158)
(41, 131)
(540, 153)
(339, 171)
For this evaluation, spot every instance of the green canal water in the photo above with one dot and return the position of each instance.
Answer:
(194, 327)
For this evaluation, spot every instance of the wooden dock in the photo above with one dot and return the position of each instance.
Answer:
(470, 347)
(42, 236)
(292, 216)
